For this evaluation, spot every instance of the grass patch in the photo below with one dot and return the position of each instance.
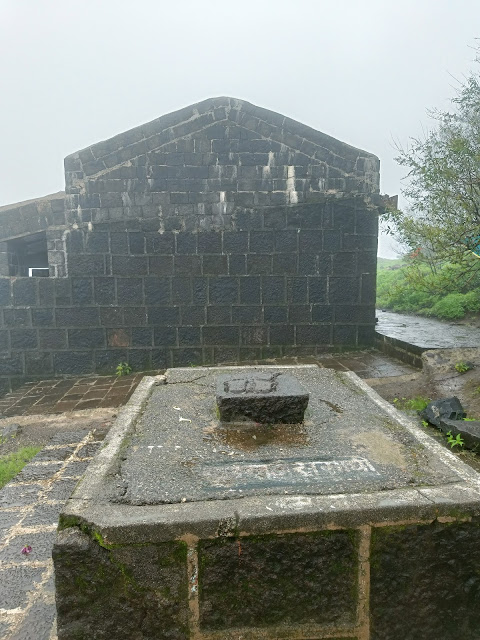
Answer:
(418, 403)
(13, 463)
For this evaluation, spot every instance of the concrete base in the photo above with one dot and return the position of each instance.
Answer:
(353, 525)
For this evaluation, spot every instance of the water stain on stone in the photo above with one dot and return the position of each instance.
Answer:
(254, 436)
(333, 406)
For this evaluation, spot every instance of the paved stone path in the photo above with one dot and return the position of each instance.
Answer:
(30, 506)
(72, 394)
(427, 332)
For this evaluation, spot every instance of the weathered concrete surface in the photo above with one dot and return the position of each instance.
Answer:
(259, 523)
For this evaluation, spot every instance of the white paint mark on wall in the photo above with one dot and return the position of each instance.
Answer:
(292, 194)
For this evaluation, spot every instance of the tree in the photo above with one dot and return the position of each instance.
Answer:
(441, 228)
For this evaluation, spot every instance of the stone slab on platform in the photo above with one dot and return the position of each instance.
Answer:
(268, 398)
(187, 527)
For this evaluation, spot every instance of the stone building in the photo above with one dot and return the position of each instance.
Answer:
(220, 232)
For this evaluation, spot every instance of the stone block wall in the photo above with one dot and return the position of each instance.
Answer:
(291, 281)
(222, 232)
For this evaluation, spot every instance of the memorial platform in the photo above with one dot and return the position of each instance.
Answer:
(352, 523)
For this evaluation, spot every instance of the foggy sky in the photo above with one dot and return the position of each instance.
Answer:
(365, 72)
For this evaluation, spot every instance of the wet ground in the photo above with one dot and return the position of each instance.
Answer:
(428, 333)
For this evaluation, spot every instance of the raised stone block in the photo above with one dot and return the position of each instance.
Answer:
(352, 524)
(266, 398)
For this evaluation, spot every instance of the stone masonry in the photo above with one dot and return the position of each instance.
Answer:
(222, 232)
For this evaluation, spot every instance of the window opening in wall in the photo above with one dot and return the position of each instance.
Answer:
(28, 255)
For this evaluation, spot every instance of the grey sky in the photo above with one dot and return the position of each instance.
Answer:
(74, 73)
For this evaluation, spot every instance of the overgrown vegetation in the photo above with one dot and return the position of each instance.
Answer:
(439, 230)
(450, 296)
(13, 463)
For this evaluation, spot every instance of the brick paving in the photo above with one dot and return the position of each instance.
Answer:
(29, 510)
(72, 394)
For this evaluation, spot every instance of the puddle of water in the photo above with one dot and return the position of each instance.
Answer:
(252, 436)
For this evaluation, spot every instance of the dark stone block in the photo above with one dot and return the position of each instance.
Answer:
(310, 241)
(25, 291)
(159, 358)
(366, 223)
(220, 335)
(63, 291)
(4, 341)
(369, 285)
(253, 335)
(164, 316)
(38, 364)
(104, 290)
(140, 359)
(5, 292)
(342, 291)
(300, 313)
(187, 264)
(107, 361)
(345, 334)
(189, 336)
(361, 242)
(42, 317)
(136, 242)
(435, 592)
(119, 243)
(181, 290)
(161, 243)
(192, 315)
(344, 264)
(317, 290)
(186, 243)
(134, 316)
(120, 607)
(129, 291)
(282, 334)
(261, 241)
(96, 242)
(160, 265)
(86, 265)
(273, 290)
(275, 218)
(237, 264)
(158, 291)
(11, 365)
(219, 315)
(86, 338)
(52, 338)
(322, 313)
(259, 264)
(223, 290)
(111, 316)
(366, 336)
(215, 264)
(317, 334)
(73, 363)
(142, 337)
(250, 290)
(23, 339)
(247, 315)
(17, 317)
(332, 240)
(46, 292)
(199, 291)
(275, 315)
(235, 242)
(307, 264)
(297, 290)
(129, 265)
(286, 241)
(284, 263)
(269, 586)
(87, 317)
(226, 355)
(209, 242)
(165, 336)
(186, 357)
(82, 291)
